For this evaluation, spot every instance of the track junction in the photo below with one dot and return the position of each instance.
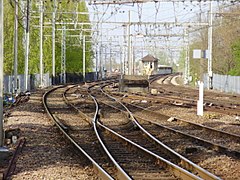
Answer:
(123, 137)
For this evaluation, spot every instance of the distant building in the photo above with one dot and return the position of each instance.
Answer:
(164, 69)
(149, 65)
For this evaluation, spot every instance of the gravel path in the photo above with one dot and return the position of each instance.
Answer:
(46, 155)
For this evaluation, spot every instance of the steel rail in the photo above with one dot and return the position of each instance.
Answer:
(175, 169)
(218, 146)
(186, 102)
(95, 121)
(85, 117)
(184, 161)
(12, 164)
(178, 171)
(186, 121)
(211, 104)
(102, 173)
(121, 173)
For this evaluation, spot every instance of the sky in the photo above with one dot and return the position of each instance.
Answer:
(156, 20)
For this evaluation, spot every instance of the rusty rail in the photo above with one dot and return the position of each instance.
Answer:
(12, 164)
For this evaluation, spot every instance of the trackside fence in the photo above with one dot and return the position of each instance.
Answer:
(35, 81)
(225, 83)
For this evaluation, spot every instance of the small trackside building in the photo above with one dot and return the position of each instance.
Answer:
(149, 65)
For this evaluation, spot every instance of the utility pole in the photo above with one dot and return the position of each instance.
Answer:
(53, 41)
(110, 58)
(27, 48)
(121, 60)
(129, 43)
(210, 34)
(105, 62)
(187, 64)
(84, 57)
(125, 61)
(100, 61)
(41, 43)
(16, 46)
(63, 55)
(132, 59)
(1, 75)
(96, 68)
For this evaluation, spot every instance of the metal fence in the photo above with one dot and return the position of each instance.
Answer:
(225, 83)
(35, 81)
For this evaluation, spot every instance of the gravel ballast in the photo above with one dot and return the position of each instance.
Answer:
(46, 154)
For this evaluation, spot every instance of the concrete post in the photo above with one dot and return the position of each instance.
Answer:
(1, 73)
(41, 43)
(4, 152)
(27, 48)
(16, 46)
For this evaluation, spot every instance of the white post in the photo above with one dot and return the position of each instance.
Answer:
(100, 61)
(27, 48)
(121, 60)
(200, 101)
(53, 42)
(16, 46)
(97, 58)
(132, 60)
(129, 42)
(110, 58)
(187, 66)
(210, 34)
(63, 54)
(1, 74)
(84, 57)
(105, 62)
(41, 43)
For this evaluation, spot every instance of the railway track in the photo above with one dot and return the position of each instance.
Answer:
(77, 131)
(87, 146)
(130, 129)
(128, 159)
(187, 97)
(228, 143)
(129, 136)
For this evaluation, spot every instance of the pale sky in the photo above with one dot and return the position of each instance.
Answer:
(153, 39)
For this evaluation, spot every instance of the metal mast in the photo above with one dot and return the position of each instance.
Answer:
(53, 41)
(41, 43)
(84, 57)
(210, 34)
(187, 63)
(110, 57)
(16, 46)
(97, 58)
(121, 60)
(100, 61)
(27, 48)
(1, 74)
(129, 43)
(63, 52)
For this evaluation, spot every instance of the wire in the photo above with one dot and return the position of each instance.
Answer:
(157, 7)
(139, 11)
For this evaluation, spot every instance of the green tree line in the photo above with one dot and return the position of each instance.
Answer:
(226, 45)
(74, 46)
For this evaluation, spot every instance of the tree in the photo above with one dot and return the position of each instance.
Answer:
(73, 54)
(225, 44)
(236, 57)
